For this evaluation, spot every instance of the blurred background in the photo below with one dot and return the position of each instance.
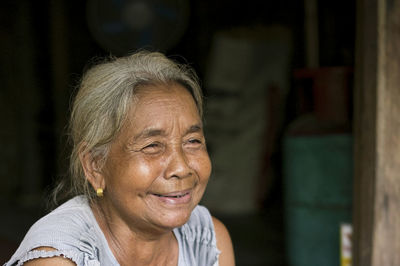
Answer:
(277, 76)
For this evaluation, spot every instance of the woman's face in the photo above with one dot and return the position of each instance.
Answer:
(158, 167)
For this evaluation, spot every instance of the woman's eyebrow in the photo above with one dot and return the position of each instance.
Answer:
(194, 129)
(150, 132)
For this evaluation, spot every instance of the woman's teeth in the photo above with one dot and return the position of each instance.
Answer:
(176, 196)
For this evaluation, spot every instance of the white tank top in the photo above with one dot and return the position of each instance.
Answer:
(73, 230)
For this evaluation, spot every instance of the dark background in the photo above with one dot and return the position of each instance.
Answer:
(45, 46)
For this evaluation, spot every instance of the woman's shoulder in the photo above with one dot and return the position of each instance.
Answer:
(200, 226)
(67, 222)
(68, 230)
(197, 239)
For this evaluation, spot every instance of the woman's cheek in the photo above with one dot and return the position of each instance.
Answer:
(139, 171)
(204, 167)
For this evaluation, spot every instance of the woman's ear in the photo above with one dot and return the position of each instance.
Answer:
(92, 169)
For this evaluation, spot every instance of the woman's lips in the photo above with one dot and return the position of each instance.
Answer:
(180, 197)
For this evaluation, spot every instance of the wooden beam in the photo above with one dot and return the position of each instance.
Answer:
(364, 131)
(311, 33)
(386, 235)
(377, 134)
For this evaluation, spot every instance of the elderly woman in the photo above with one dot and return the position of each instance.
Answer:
(139, 167)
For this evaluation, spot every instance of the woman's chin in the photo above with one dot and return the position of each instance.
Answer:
(171, 213)
(171, 221)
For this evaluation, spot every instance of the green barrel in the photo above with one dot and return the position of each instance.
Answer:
(318, 186)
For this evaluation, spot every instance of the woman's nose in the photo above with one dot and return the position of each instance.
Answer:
(178, 166)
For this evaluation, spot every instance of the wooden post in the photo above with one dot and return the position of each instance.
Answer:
(377, 134)
(311, 33)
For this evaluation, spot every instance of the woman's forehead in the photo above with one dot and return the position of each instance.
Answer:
(160, 106)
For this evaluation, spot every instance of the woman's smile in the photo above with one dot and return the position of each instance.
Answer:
(174, 198)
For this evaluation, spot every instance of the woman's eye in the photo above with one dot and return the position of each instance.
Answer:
(194, 143)
(152, 148)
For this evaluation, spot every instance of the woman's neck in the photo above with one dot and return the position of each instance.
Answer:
(135, 245)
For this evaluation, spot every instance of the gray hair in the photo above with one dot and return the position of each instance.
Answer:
(103, 100)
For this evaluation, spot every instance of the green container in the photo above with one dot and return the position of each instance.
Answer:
(318, 187)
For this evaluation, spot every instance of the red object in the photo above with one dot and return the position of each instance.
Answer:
(331, 91)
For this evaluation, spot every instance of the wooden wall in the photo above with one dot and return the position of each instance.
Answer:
(377, 134)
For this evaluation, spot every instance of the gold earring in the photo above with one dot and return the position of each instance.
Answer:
(99, 192)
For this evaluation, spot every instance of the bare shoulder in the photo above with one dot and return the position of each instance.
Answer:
(52, 261)
(224, 244)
